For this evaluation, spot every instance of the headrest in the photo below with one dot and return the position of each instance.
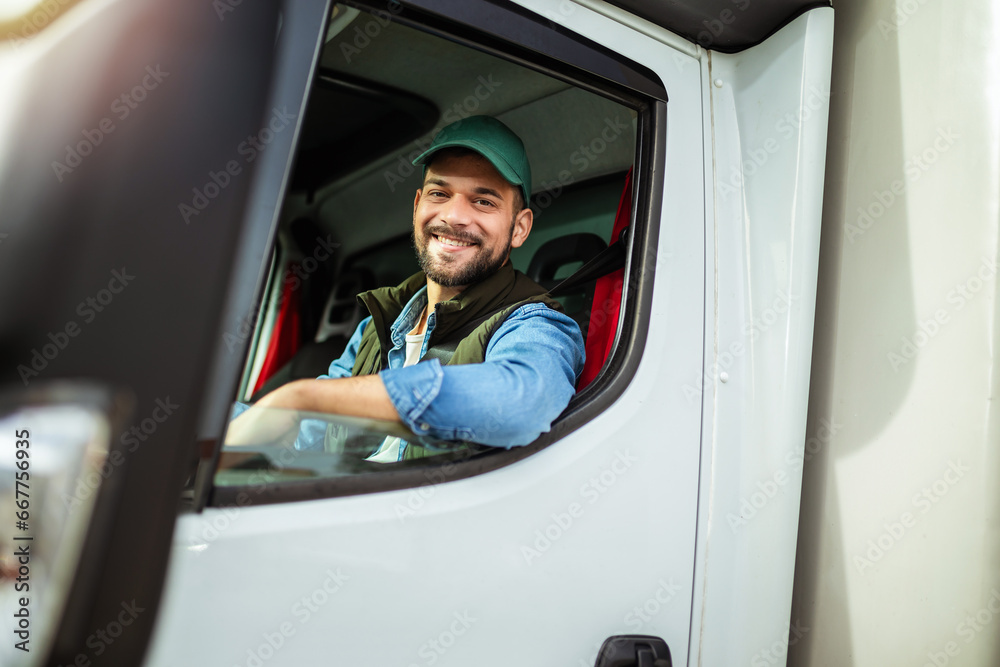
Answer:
(557, 253)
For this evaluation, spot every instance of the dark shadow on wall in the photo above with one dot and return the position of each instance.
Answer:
(865, 101)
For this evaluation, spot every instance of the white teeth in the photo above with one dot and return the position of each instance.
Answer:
(453, 242)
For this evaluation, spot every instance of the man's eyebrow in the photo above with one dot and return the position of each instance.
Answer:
(435, 180)
(489, 191)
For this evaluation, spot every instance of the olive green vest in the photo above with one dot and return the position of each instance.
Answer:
(463, 328)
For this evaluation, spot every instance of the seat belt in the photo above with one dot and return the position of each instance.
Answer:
(607, 261)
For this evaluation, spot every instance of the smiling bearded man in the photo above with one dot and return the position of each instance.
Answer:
(447, 268)
(466, 350)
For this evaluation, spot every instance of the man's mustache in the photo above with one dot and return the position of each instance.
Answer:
(442, 229)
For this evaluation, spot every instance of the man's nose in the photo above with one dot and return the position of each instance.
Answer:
(458, 211)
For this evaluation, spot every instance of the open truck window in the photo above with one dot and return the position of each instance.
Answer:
(386, 81)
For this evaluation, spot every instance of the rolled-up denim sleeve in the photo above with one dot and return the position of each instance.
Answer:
(525, 382)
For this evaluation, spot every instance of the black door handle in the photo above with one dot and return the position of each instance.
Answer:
(634, 651)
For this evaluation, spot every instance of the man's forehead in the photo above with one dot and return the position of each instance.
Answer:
(454, 170)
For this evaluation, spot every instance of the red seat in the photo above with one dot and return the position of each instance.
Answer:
(607, 300)
(287, 336)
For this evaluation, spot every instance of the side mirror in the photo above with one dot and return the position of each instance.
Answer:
(54, 462)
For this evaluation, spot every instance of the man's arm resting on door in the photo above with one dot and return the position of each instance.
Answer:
(276, 414)
(526, 381)
(363, 396)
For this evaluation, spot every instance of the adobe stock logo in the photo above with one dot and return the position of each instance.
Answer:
(434, 649)
(758, 325)
(913, 169)
(776, 653)
(60, 339)
(362, 36)
(250, 148)
(924, 500)
(404, 167)
(40, 18)
(132, 438)
(591, 490)
(303, 610)
(902, 12)
(927, 329)
(586, 154)
(714, 28)
(754, 158)
(122, 107)
(774, 485)
(968, 629)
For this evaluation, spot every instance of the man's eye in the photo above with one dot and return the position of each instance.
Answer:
(485, 202)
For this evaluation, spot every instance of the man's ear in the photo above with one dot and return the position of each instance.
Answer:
(522, 227)
(416, 200)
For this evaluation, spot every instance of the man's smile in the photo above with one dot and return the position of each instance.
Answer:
(452, 242)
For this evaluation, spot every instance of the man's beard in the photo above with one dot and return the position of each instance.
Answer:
(442, 270)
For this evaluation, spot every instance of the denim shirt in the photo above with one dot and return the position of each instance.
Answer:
(526, 381)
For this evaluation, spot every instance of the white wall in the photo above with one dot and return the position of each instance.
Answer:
(885, 575)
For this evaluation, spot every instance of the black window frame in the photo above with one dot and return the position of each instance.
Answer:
(536, 43)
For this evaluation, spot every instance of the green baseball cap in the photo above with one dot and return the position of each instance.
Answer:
(491, 139)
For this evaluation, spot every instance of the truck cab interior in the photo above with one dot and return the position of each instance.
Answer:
(383, 87)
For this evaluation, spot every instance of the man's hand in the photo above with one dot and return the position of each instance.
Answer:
(266, 422)
(355, 397)
(261, 426)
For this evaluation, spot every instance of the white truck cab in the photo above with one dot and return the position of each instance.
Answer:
(240, 171)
